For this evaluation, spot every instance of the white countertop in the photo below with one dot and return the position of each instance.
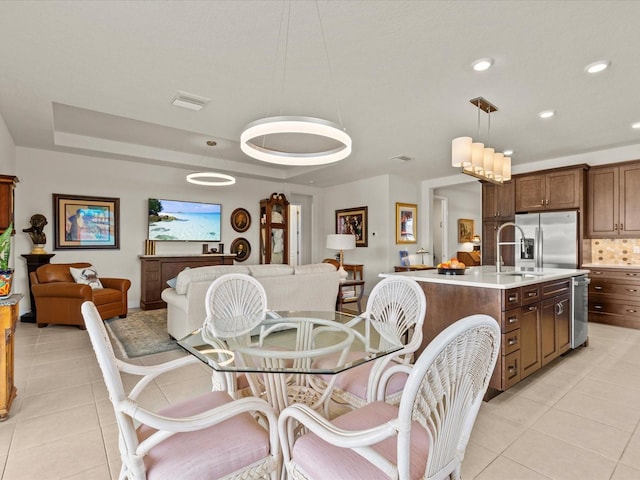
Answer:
(486, 277)
(609, 265)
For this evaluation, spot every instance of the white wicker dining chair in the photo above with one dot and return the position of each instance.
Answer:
(394, 316)
(208, 436)
(425, 437)
(235, 304)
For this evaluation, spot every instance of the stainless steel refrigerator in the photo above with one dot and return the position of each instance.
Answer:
(551, 240)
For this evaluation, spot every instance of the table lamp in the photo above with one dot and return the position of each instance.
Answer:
(422, 251)
(339, 241)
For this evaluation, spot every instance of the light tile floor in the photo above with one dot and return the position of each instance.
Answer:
(577, 419)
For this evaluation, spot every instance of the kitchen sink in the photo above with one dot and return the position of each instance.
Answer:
(522, 274)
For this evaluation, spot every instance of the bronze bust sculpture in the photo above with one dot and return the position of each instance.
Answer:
(38, 237)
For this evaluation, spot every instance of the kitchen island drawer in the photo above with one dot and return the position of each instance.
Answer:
(530, 294)
(510, 369)
(510, 342)
(553, 289)
(510, 320)
(511, 298)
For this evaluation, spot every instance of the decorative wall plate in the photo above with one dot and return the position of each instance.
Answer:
(242, 248)
(240, 220)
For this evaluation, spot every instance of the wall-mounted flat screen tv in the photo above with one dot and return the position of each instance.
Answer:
(180, 221)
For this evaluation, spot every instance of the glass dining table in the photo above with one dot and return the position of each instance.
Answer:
(288, 352)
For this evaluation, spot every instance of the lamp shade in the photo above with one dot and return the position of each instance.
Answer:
(461, 152)
(339, 241)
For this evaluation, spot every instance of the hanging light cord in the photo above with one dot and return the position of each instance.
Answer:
(326, 53)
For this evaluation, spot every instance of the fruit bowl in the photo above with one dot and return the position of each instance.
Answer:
(451, 271)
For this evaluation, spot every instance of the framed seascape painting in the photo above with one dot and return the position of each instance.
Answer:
(82, 222)
(465, 230)
(353, 221)
(406, 222)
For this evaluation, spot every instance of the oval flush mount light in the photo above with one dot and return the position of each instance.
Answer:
(295, 125)
(597, 67)
(211, 179)
(547, 114)
(636, 125)
(482, 64)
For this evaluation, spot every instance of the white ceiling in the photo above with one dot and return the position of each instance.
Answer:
(97, 77)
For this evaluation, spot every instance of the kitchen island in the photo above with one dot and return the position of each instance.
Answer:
(533, 309)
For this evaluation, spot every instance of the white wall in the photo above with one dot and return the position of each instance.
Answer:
(43, 173)
(7, 150)
(374, 194)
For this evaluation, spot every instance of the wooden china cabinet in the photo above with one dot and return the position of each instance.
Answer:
(7, 186)
(274, 229)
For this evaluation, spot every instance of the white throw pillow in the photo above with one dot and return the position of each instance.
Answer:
(86, 276)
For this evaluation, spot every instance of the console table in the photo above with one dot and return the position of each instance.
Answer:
(157, 269)
(357, 270)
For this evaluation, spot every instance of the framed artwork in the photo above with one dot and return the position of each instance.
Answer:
(82, 222)
(353, 221)
(242, 248)
(406, 222)
(240, 220)
(465, 230)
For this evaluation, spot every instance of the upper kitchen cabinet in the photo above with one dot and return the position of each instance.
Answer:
(498, 201)
(557, 189)
(614, 201)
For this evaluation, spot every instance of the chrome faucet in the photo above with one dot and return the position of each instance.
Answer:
(498, 243)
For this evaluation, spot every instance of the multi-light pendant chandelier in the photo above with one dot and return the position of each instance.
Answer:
(475, 158)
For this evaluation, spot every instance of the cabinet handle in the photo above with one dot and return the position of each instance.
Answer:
(598, 287)
(615, 227)
(532, 294)
(512, 341)
(621, 227)
(513, 298)
(596, 272)
(631, 274)
(512, 319)
(532, 308)
(542, 201)
(631, 290)
(631, 311)
(559, 308)
(511, 368)
(598, 307)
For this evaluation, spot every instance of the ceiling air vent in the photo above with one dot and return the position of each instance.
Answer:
(189, 100)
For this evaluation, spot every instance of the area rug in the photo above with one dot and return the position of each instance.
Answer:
(141, 333)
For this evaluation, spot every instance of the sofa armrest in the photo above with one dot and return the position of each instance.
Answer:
(121, 284)
(62, 289)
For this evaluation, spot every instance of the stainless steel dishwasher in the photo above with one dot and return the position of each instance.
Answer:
(580, 310)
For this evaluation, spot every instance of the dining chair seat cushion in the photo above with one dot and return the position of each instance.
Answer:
(231, 445)
(311, 453)
(355, 379)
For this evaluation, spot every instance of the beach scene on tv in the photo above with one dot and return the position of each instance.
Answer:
(175, 220)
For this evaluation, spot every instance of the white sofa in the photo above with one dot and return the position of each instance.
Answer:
(301, 287)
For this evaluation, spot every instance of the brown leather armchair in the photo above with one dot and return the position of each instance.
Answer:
(58, 298)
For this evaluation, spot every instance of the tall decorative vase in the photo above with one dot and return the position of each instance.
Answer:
(6, 280)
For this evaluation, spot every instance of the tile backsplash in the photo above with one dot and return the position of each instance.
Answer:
(618, 251)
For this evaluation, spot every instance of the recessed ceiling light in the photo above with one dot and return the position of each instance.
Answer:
(635, 125)
(597, 67)
(547, 114)
(212, 143)
(506, 153)
(482, 64)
